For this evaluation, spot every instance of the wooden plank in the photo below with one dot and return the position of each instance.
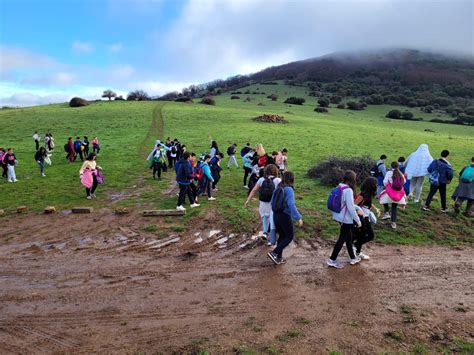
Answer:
(50, 210)
(151, 213)
(21, 209)
(82, 210)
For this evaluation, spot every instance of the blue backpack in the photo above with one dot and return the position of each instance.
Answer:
(278, 200)
(434, 176)
(334, 203)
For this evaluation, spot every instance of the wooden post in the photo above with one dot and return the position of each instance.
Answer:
(151, 213)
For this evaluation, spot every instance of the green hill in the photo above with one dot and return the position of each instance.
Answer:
(127, 131)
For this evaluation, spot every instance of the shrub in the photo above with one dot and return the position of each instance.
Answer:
(331, 170)
(138, 95)
(78, 102)
(170, 96)
(273, 97)
(335, 99)
(119, 98)
(442, 101)
(235, 97)
(295, 100)
(341, 106)
(407, 115)
(375, 100)
(469, 110)
(412, 104)
(428, 109)
(321, 109)
(323, 102)
(208, 100)
(357, 106)
(184, 99)
(394, 114)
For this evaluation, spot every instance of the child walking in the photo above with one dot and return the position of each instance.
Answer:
(40, 157)
(346, 218)
(184, 176)
(465, 190)
(441, 175)
(10, 160)
(207, 179)
(393, 194)
(265, 187)
(88, 175)
(284, 210)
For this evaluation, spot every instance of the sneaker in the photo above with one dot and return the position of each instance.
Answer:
(281, 261)
(363, 256)
(195, 205)
(416, 201)
(246, 187)
(180, 208)
(265, 236)
(211, 199)
(269, 244)
(273, 257)
(457, 209)
(89, 197)
(214, 190)
(334, 263)
(386, 216)
(10, 180)
(425, 208)
(354, 261)
(15, 180)
(43, 175)
(445, 210)
(94, 196)
(393, 225)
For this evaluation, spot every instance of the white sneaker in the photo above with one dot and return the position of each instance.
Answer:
(43, 175)
(386, 216)
(214, 190)
(416, 201)
(363, 256)
(195, 205)
(334, 263)
(211, 199)
(180, 208)
(89, 197)
(10, 180)
(246, 187)
(393, 225)
(354, 261)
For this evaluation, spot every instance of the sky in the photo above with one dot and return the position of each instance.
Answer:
(52, 50)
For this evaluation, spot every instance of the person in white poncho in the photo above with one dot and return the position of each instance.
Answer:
(416, 170)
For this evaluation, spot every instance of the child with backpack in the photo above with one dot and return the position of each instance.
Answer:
(214, 149)
(416, 168)
(184, 176)
(40, 157)
(441, 175)
(341, 204)
(247, 163)
(465, 190)
(216, 169)
(231, 154)
(265, 187)
(206, 178)
(379, 171)
(78, 148)
(88, 174)
(284, 211)
(364, 199)
(95, 145)
(393, 194)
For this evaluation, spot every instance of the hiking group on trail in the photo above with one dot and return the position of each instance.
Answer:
(267, 176)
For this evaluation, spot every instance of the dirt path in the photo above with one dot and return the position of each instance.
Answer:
(103, 284)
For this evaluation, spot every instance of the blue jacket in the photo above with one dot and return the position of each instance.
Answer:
(290, 206)
(184, 172)
(444, 168)
(206, 170)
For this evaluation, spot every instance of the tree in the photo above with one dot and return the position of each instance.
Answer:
(323, 102)
(138, 95)
(109, 94)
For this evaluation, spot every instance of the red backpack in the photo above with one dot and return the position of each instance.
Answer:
(397, 183)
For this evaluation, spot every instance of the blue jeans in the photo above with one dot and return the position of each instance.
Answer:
(41, 164)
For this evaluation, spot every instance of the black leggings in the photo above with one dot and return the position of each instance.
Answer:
(4, 172)
(393, 213)
(442, 192)
(183, 191)
(284, 228)
(157, 169)
(90, 191)
(247, 172)
(363, 235)
(345, 236)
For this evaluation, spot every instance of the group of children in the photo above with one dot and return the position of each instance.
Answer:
(80, 148)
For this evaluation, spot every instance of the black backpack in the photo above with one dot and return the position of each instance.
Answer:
(278, 203)
(230, 151)
(266, 190)
(66, 147)
(375, 172)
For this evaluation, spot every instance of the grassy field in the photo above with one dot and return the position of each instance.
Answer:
(127, 131)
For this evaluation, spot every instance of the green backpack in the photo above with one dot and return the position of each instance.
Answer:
(468, 174)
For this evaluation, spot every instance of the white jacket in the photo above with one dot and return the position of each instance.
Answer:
(348, 214)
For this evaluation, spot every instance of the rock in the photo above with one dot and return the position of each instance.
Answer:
(213, 233)
(21, 209)
(2, 213)
(121, 211)
(198, 240)
(222, 240)
(50, 210)
(82, 210)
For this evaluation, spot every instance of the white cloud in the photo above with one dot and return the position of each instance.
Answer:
(17, 58)
(213, 39)
(157, 87)
(82, 47)
(53, 79)
(115, 47)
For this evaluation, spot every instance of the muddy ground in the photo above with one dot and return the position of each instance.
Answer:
(104, 284)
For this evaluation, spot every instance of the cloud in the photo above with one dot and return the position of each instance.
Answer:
(115, 47)
(214, 38)
(82, 47)
(156, 87)
(55, 79)
(12, 59)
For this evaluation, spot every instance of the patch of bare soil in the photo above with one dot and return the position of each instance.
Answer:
(104, 283)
